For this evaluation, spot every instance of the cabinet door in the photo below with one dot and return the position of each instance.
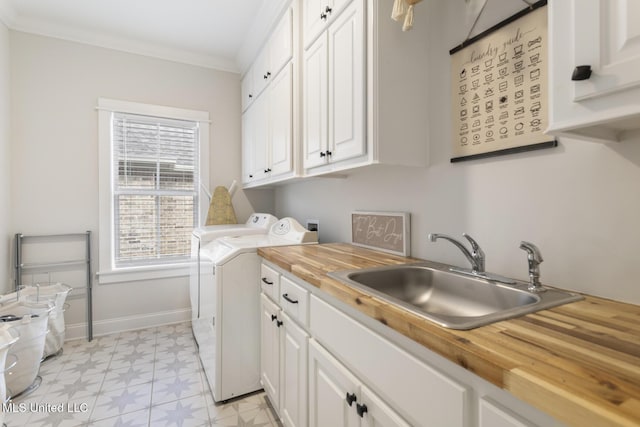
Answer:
(247, 147)
(315, 104)
(260, 135)
(378, 413)
(261, 73)
(607, 37)
(281, 126)
(293, 371)
(281, 43)
(246, 89)
(346, 84)
(329, 383)
(314, 23)
(270, 350)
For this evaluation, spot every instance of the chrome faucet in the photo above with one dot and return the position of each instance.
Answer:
(475, 256)
(534, 257)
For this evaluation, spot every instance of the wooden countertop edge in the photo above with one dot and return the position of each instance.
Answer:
(502, 353)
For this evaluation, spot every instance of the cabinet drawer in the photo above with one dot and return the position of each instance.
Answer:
(270, 282)
(404, 383)
(494, 415)
(294, 300)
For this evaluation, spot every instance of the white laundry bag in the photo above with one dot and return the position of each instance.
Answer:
(30, 320)
(8, 337)
(52, 293)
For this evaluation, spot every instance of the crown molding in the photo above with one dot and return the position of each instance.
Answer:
(123, 44)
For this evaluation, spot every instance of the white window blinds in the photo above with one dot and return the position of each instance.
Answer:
(155, 191)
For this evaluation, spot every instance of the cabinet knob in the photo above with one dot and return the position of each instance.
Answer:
(351, 397)
(322, 154)
(361, 409)
(267, 170)
(265, 76)
(279, 323)
(250, 96)
(581, 72)
(250, 176)
(273, 317)
(328, 9)
(323, 16)
(328, 153)
(268, 73)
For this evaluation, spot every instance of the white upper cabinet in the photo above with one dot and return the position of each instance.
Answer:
(334, 91)
(246, 90)
(281, 43)
(280, 122)
(364, 91)
(317, 15)
(268, 100)
(602, 36)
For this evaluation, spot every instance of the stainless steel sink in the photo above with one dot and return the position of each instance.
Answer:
(450, 299)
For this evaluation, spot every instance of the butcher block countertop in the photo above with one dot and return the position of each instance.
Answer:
(579, 362)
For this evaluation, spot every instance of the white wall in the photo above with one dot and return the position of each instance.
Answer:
(55, 87)
(578, 202)
(5, 164)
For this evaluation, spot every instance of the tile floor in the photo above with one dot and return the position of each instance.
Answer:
(151, 377)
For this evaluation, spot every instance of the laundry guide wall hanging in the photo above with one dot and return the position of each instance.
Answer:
(499, 88)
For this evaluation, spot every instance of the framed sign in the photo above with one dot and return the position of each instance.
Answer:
(499, 88)
(383, 231)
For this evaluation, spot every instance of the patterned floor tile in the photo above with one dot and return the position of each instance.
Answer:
(151, 377)
(122, 401)
(190, 412)
(177, 387)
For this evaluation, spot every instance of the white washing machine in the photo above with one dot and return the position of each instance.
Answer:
(230, 310)
(258, 223)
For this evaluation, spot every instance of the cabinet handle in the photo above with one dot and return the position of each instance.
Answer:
(279, 323)
(286, 296)
(273, 317)
(267, 170)
(328, 9)
(264, 280)
(351, 397)
(361, 409)
(581, 72)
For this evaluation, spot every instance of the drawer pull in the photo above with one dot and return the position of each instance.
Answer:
(361, 409)
(267, 282)
(351, 397)
(286, 296)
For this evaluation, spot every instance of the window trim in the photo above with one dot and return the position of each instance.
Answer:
(107, 272)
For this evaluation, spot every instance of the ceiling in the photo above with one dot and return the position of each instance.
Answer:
(212, 33)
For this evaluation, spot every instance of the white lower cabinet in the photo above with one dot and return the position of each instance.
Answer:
(293, 373)
(337, 398)
(284, 363)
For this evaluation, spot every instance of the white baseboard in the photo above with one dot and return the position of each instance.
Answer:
(127, 323)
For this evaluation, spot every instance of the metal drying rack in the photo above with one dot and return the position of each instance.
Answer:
(67, 265)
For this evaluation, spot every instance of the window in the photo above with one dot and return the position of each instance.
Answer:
(155, 189)
(150, 173)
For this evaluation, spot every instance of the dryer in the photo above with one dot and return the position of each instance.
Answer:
(229, 325)
(258, 223)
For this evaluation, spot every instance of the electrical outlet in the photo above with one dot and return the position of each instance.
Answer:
(314, 225)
